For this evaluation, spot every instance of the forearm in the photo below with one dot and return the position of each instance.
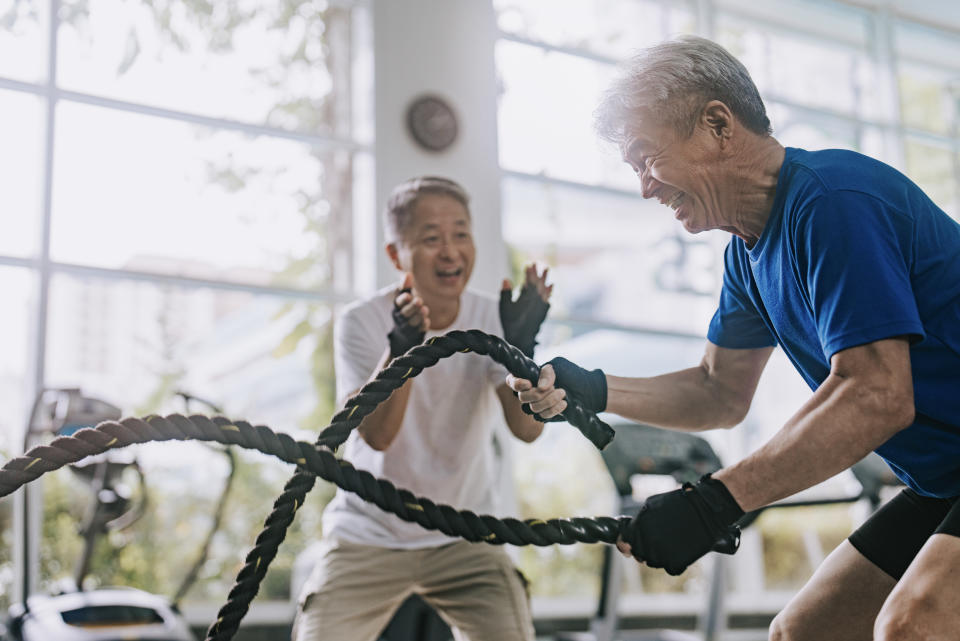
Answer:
(522, 425)
(381, 426)
(684, 400)
(836, 428)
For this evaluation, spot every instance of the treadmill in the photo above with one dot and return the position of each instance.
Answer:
(644, 450)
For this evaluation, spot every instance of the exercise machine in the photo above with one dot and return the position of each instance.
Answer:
(643, 450)
(106, 614)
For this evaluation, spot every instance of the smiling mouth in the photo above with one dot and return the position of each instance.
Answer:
(675, 201)
(450, 273)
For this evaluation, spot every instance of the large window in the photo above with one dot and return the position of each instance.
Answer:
(928, 77)
(629, 280)
(182, 184)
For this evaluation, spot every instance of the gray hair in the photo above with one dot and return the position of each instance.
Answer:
(404, 197)
(674, 80)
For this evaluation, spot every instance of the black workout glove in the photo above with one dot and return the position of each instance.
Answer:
(587, 386)
(676, 528)
(522, 318)
(403, 336)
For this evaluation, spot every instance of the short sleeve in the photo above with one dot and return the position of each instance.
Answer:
(854, 256)
(357, 348)
(737, 323)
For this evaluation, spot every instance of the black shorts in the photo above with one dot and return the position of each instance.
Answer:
(894, 534)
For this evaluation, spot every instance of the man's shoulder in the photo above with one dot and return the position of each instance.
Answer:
(828, 171)
(369, 313)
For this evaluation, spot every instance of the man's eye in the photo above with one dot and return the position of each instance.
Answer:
(431, 239)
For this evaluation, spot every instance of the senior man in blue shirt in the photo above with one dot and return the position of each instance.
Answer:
(854, 272)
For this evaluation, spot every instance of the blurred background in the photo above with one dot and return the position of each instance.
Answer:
(190, 189)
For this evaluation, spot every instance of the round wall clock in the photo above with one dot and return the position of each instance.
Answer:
(432, 122)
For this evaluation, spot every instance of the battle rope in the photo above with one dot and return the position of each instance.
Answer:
(319, 460)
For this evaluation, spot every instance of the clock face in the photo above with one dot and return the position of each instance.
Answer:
(432, 123)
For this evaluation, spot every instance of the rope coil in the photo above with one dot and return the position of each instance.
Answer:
(318, 459)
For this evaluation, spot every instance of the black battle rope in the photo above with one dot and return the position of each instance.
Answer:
(319, 460)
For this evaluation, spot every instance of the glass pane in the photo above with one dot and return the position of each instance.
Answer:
(361, 78)
(545, 126)
(790, 543)
(16, 345)
(23, 41)
(17, 342)
(283, 64)
(21, 165)
(788, 66)
(7, 569)
(135, 344)
(793, 540)
(151, 194)
(607, 252)
(929, 98)
(607, 27)
(575, 572)
(828, 20)
(924, 45)
(182, 483)
(798, 128)
(933, 169)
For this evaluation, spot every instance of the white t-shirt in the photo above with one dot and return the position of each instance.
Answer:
(443, 450)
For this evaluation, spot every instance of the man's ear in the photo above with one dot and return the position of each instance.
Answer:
(718, 119)
(394, 255)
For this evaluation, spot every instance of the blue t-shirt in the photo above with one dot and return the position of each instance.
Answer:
(854, 252)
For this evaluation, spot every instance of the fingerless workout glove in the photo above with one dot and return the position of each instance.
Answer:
(676, 528)
(588, 386)
(522, 318)
(403, 336)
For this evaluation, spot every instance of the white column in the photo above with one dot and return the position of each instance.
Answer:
(442, 47)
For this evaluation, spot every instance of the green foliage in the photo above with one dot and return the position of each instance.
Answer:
(785, 559)
(6, 551)
(64, 502)
(923, 102)
(561, 475)
(156, 553)
(933, 169)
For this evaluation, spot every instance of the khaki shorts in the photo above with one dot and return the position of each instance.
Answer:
(354, 590)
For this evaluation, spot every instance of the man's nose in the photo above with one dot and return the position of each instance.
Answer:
(446, 247)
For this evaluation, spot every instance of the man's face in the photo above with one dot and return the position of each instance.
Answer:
(437, 247)
(683, 174)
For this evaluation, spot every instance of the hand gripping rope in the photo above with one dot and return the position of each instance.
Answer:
(319, 460)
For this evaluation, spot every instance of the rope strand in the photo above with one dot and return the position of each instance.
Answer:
(313, 460)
